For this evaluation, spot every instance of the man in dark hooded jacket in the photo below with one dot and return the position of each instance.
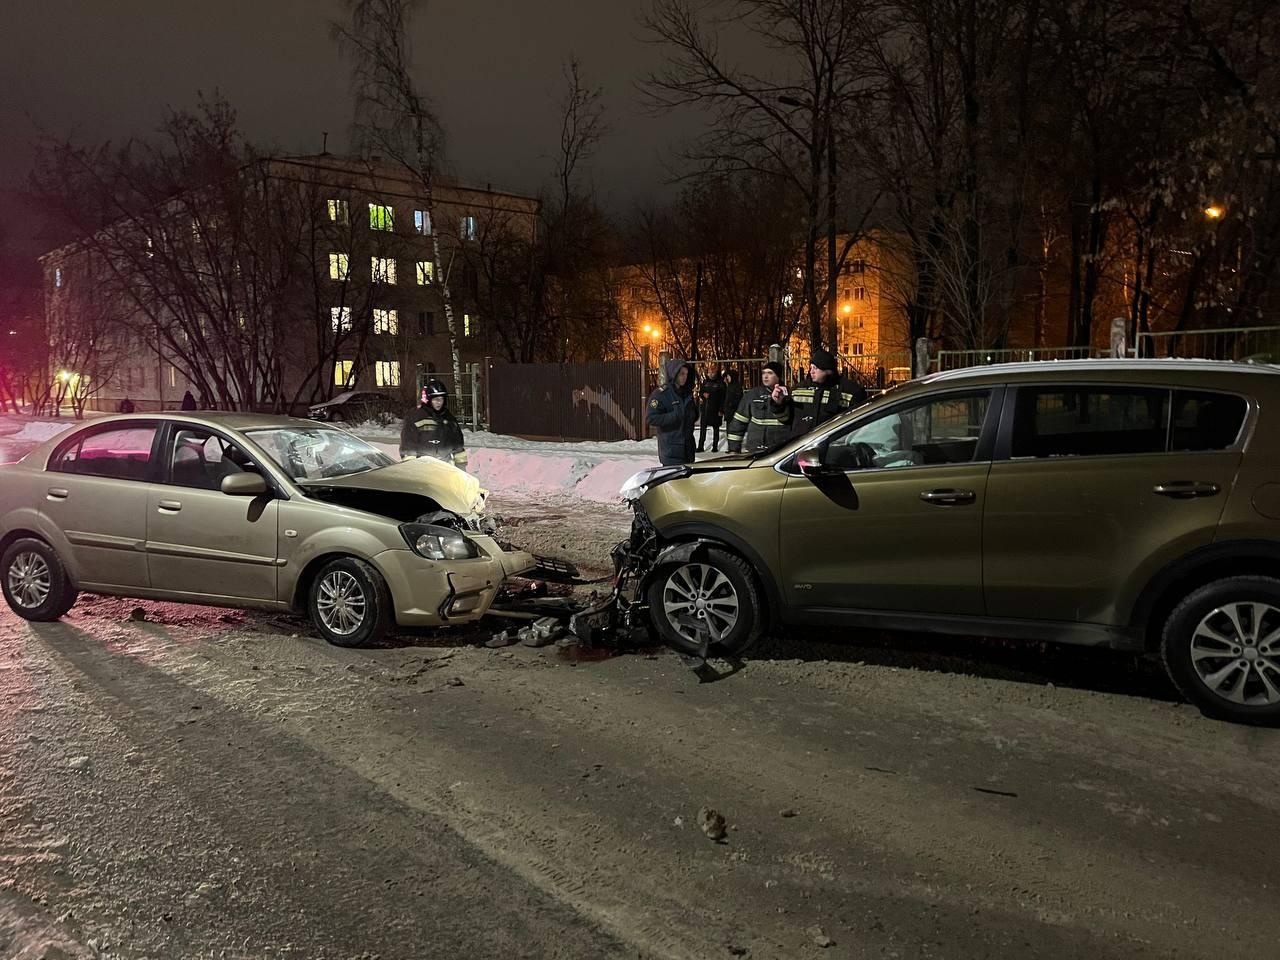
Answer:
(430, 430)
(823, 396)
(673, 410)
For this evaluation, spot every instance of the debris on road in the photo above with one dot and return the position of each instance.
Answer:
(454, 682)
(78, 763)
(712, 823)
(789, 812)
(821, 939)
(137, 615)
(499, 640)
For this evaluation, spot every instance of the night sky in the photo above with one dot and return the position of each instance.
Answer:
(98, 69)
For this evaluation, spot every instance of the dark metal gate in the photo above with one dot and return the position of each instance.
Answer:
(567, 401)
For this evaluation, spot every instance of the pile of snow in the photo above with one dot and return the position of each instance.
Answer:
(38, 431)
(551, 473)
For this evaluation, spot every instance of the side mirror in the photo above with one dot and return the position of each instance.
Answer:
(244, 485)
(809, 462)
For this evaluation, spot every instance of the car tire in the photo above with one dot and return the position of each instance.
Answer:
(705, 586)
(35, 582)
(337, 416)
(1221, 649)
(349, 603)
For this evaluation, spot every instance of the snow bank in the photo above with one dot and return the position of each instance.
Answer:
(551, 473)
(38, 431)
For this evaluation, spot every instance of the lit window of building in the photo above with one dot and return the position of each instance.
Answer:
(422, 222)
(386, 321)
(383, 269)
(381, 217)
(338, 211)
(468, 228)
(343, 375)
(339, 266)
(387, 373)
(341, 319)
(426, 272)
(470, 325)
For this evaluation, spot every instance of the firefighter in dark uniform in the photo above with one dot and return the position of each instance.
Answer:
(763, 417)
(823, 395)
(430, 429)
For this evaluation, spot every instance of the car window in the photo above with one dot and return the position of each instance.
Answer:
(932, 431)
(1205, 421)
(123, 453)
(1089, 421)
(201, 459)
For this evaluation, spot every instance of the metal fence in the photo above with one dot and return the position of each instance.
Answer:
(959, 359)
(876, 371)
(568, 401)
(1261, 344)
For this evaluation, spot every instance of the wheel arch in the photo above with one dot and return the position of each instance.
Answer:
(1172, 584)
(307, 576)
(690, 532)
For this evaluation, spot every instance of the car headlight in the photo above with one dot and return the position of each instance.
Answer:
(438, 543)
(636, 486)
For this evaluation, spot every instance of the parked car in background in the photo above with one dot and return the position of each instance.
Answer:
(242, 510)
(1126, 504)
(357, 406)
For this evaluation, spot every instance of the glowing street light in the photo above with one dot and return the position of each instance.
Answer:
(847, 308)
(64, 376)
(1213, 212)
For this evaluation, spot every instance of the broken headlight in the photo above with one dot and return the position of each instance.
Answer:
(438, 543)
(636, 486)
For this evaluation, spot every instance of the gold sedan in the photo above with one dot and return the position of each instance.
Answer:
(247, 510)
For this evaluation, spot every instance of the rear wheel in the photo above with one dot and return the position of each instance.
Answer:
(35, 582)
(349, 603)
(710, 601)
(1221, 648)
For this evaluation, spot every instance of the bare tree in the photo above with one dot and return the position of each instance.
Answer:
(788, 124)
(394, 118)
(187, 232)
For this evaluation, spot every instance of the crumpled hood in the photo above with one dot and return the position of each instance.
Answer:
(455, 490)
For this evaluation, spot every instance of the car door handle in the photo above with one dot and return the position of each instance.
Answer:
(169, 506)
(58, 493)
(1187, 489)
(948, 498)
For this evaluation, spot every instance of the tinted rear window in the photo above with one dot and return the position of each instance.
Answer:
(1089, 421)
(1206, 421)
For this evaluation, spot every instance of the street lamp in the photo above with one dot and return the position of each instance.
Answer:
(1213, 212)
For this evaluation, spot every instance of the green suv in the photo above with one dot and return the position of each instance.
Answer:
(1126, 504)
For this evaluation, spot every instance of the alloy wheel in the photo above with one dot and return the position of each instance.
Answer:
(700, 602)
(341, 603)
(1236, 653)
(30, 579)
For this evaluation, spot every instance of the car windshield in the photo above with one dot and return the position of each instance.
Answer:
(318, 453)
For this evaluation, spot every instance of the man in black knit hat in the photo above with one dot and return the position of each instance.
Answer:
(823, 396)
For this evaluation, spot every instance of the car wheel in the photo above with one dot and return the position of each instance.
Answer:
(1221, 648)
(336, 416)
(35, 582)
(349, 603)
(710, 599)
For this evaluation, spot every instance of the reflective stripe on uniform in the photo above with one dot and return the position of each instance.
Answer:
(741, 418)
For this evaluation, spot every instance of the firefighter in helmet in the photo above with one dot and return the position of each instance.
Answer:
(430, 429)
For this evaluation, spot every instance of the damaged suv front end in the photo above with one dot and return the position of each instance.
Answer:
(711, 598)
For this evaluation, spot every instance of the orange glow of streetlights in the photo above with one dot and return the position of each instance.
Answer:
(1213, 212)
(847, 308)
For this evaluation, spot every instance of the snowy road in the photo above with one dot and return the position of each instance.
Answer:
(213, 784)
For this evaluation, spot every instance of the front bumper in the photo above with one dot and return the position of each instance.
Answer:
(429, 593)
